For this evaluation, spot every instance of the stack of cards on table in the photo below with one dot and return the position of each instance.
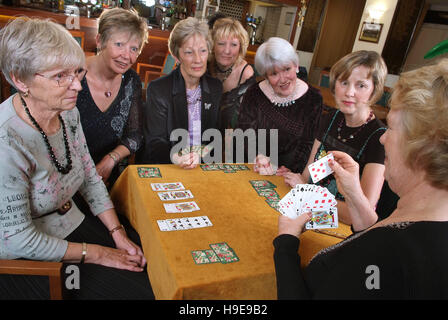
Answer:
(266, 189)
(184, 223)
(219, 252)
(175, 191)
(149, 172)
(311, 198)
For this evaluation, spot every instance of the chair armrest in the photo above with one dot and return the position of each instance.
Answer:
(41, 268)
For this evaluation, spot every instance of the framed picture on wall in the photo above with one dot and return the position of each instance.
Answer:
(371, 32)
(288, 18)
(210, 10)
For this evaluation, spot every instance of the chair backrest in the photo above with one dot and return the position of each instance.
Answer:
(324, 80)
(384, 100)
(6, 89)
(169, 64)
(79, 37)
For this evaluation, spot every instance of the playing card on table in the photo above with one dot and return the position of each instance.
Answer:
(175, 195)
(201, 222)
(200, 257)
(320, 169)
(224, 252)
(323, 219)
(149, 172)
(167, 186)
(262, 184)
(181, 207)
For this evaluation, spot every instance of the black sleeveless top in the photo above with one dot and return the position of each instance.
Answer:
(231, 100)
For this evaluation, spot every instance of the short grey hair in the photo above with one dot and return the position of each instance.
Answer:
(30, 46)
(185, 29)
(276, 52)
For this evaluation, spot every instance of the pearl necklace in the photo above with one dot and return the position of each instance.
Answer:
(356, 132)
(275, 99)
(59, 167)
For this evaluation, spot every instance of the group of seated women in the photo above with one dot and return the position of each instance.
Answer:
(57, 161)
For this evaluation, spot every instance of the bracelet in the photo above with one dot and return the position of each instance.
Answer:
(114, 155)
(116, 229)
(84, 252)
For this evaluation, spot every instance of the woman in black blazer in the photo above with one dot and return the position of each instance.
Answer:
(185, 99)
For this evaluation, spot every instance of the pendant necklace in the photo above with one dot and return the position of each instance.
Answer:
(356, 132)
(68, 157)
(108, 93)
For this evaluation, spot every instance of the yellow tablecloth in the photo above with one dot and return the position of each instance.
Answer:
(240, 217)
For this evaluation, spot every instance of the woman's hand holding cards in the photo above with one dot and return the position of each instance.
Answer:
(346, 172)
(295, 226)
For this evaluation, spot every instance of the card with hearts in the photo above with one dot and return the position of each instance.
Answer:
(320, 169)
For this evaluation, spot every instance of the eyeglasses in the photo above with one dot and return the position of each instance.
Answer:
(65, 80)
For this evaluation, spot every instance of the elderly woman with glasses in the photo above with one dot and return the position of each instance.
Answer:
(44, 160)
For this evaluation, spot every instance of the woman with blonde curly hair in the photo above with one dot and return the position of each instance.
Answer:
(230, 42)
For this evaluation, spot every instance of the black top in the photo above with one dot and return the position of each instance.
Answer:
(120, 124)
(364, 148)
(166, 110)
(297, 124)
(397, 261)
(231, 101)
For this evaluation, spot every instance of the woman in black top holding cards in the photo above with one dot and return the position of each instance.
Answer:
(403, 256)
(357, 81)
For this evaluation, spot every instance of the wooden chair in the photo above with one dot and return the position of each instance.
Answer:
(79, 36)
(324, 79)
(384, 100)
(6, 88)
(169, 63)
(37, 268)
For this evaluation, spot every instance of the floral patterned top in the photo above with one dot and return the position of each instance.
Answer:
(31, 187)
(120, 124)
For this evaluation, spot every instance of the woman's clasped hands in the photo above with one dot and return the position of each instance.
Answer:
(187, 161)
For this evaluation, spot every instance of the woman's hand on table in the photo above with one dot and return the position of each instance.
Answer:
(282, 171)
(295, 226)
(187, 161)
(264, 166)
(292, 179)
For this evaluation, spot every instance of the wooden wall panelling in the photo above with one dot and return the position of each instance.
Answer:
(401, 33)
(311, 25)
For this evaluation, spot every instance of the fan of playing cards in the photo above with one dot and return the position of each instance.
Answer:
(309, 197)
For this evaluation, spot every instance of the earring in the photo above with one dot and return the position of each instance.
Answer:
(25, 94)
